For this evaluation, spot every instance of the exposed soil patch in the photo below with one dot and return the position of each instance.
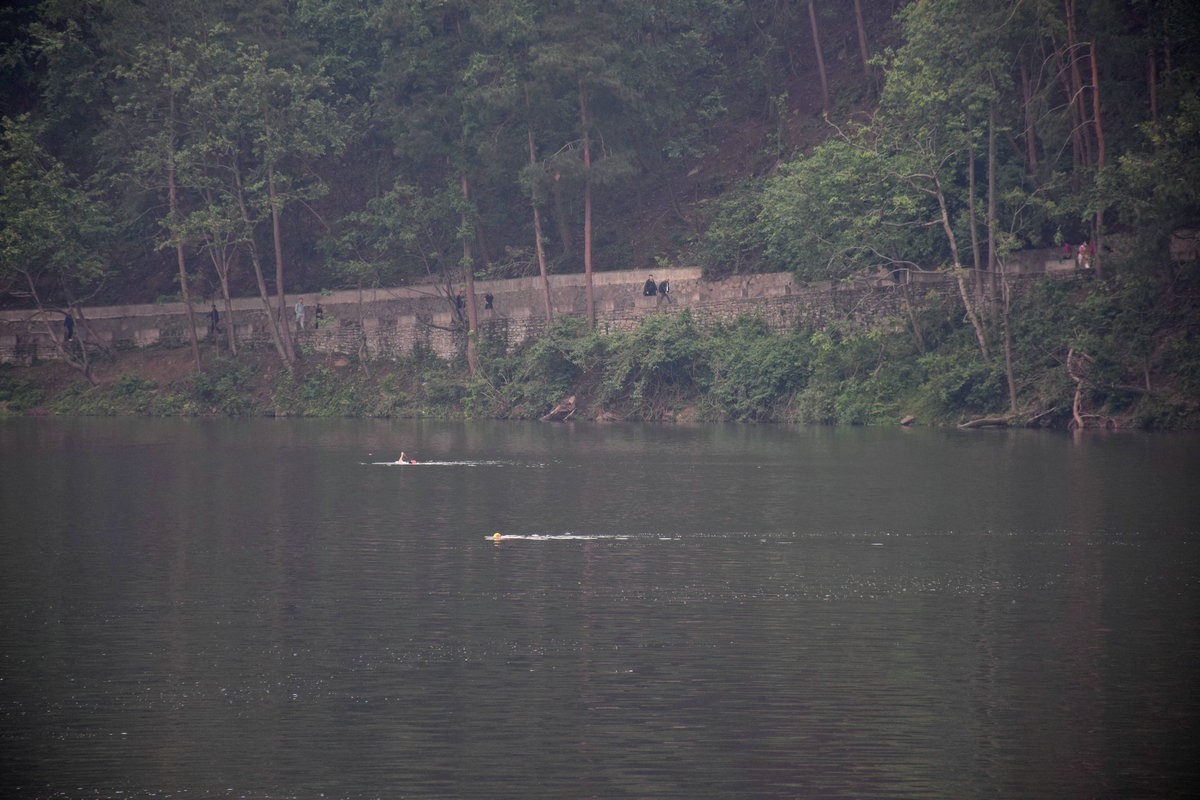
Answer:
(164, 366)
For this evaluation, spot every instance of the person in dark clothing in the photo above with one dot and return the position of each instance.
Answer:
(487, 302)
(649, 288)
(69, 324)
(214, 321)
(318, 315)
(664, 290)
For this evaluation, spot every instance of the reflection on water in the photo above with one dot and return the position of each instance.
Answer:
(258, 609)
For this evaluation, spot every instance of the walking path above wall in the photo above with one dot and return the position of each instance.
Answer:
(394, 321)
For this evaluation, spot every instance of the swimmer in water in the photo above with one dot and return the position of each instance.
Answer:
(403, 459)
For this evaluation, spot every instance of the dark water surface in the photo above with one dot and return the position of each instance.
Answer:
(254, 609)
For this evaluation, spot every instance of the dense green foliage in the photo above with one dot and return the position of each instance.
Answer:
(358, 124)
(1001, 125)
(218, 148)
(17, 394)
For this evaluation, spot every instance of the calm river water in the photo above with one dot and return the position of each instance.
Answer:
(256, 609)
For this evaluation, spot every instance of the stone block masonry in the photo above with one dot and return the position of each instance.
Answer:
(393, 322)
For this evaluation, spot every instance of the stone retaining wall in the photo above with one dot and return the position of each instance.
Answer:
(394, 322)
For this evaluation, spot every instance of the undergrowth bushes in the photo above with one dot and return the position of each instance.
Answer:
(754, 375)
(224, 387)
(18, 394)
(1135, 357)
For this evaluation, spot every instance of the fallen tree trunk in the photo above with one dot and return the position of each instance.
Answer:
(986, 422)
(563, 410)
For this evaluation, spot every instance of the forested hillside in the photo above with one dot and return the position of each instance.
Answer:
(200, 150)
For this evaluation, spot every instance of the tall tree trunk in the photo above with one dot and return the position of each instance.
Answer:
(816, 35)
(863, 51)
(1152, 83)
(1005, 321)
(481, 242)
(918, 337)
(1098, 119)
(364, 351)
(277, 237)
(1031, 156)
(537, 220)
(273, 321)
(185, 294)
(469, 269)
(224, 253)
(180, 258)
(566, 242)
(541, 257)
(952, 240)
(992, 222)
(82, 325)
(1097, 116)
(973, 219)
(230, 328)
(587, 208)
(1064, 78)
(1077, 83)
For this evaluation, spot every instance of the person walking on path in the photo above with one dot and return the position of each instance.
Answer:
(649, 288)
(318, 315)
(300, 314)
(664, 290)
(214, 321)
(69, 325)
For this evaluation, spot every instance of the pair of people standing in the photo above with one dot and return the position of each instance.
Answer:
(318, 314)
(663, 290)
